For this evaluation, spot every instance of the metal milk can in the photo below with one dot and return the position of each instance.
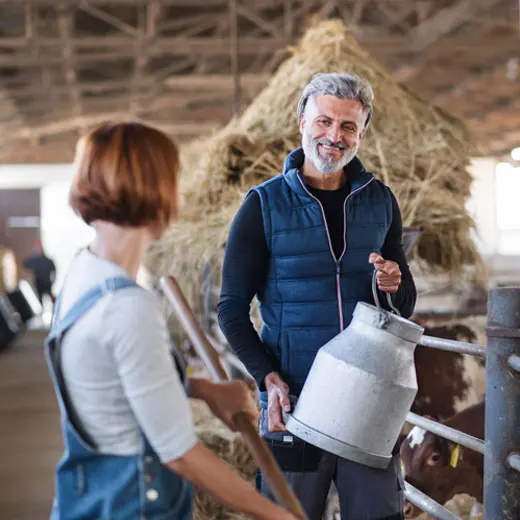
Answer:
(360, 387)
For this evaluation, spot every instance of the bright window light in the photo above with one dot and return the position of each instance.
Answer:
(515, 154)
(504, 168)
(507, 190)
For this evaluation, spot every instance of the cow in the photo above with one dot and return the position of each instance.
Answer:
(441, 468)
(447, 381)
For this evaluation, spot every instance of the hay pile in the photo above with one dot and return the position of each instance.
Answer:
(418, 150)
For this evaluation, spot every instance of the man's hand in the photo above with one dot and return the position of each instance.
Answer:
(278, 399)
(388, 275)
(228, 398)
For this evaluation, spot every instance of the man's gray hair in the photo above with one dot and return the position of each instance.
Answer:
(343, 86)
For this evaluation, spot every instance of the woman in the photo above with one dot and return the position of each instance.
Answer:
(130, 443)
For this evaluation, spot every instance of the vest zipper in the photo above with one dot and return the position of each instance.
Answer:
(338, 288)
(336, 260)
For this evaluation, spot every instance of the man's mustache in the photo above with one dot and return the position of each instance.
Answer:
(327, 142)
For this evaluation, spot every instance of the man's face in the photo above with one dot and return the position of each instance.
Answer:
(331, 129)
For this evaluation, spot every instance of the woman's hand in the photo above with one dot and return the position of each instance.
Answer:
(227, 399)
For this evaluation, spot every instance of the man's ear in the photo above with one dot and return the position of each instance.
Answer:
(302, 124)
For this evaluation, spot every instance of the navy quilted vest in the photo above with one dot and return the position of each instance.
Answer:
(309, 296)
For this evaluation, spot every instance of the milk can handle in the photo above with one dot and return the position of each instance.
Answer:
(388, 295)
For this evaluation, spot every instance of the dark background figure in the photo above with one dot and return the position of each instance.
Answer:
(44, 271)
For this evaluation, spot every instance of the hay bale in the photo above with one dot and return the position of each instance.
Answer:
(417, 149)
(228, 446)
(459, 505)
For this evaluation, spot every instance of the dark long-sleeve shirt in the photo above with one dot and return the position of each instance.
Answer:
(246, 264)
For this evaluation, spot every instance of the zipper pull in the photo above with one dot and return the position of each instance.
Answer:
(338, 268)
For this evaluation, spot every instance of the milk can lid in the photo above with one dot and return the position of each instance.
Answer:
(384, 320)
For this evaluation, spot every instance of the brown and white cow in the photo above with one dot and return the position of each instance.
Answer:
(448, 382)
(441, 468)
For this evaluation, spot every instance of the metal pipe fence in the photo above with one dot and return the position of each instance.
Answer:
(428, 505)
(501, 446)
(453, 346)
(451, 434)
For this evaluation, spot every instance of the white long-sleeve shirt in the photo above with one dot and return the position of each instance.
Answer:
(117, 368)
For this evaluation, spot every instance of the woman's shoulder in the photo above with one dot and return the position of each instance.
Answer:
(136, 308)
(88, 272)
(135, 299)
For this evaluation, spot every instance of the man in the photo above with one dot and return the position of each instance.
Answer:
(306, 243)
(44, 271)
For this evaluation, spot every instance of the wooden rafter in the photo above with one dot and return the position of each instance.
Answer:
(473, 81)
(115, 3)
(250, 15)
(148, 18)
(164, 45)
(397, 13)
(173, 63)
(109, 19)
(446, 21)
(64, 126)
(65, 25)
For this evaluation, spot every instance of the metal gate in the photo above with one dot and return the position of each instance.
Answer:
(501, 446)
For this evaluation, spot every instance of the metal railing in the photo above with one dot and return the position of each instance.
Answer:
(501, 445)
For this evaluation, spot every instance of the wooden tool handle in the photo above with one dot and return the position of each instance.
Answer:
(261, 453)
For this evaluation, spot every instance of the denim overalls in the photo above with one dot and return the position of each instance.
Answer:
(94, 486)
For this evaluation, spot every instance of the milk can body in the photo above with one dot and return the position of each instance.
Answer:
(360, 388)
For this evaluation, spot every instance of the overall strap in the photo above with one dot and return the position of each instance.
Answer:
(59, 329)
(85, 303)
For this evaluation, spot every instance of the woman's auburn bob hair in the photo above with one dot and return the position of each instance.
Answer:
(128, 174)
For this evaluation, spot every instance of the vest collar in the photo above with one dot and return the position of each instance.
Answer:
(355, 172)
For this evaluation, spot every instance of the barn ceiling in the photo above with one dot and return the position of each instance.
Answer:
(188, 65)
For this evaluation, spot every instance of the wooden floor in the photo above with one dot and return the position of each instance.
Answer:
(30, 440)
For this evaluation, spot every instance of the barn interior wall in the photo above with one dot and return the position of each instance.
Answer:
(20, 223)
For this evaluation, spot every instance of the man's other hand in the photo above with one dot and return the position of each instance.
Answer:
(278, 400)
(388, 275)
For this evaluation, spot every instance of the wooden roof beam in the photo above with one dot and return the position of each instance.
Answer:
(66, 27)
(473, 81)
(32, 23)
(114, 3)
(67, 125)
(435, 27)
(148, 18)
(446, 21)
(111, 103)
(163, 45)
(189, 84)
(108, 18)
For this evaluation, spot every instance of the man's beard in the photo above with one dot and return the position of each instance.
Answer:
(330, 164)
